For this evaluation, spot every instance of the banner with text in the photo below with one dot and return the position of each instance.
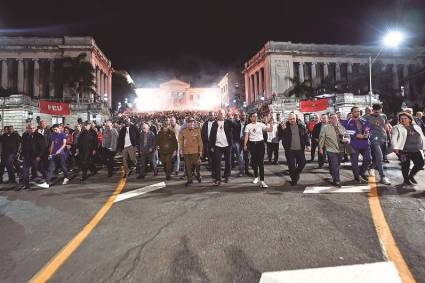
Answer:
(54, 108)
(314, 105)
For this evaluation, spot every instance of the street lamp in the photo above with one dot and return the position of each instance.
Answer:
(391, 40)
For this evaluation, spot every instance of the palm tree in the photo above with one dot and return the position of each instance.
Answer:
(79, 74)
(301, 90)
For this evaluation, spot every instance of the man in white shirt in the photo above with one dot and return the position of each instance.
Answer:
(220, 142)
(273, 143)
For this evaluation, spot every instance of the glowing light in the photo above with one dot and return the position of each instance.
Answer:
(393, 38)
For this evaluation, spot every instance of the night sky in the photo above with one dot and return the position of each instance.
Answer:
(198, 41)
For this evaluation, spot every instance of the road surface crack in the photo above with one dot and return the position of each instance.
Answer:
(140, 249)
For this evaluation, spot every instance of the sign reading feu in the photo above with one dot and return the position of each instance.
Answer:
(54, 108)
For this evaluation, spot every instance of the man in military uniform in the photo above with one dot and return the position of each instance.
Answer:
(166, 143)
(191, 147)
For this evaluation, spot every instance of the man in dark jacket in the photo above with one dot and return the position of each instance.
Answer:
(86, 150)
(220, 144)
(146, 150)
(127, 144)
(11, 142)
(205, 135)
(295, 140)
(46, 133)
(237, 147)
(324, 120)
(166, 142)
(33, 147)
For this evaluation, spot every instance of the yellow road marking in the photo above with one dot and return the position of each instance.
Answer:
(56, 262)
(388, 244)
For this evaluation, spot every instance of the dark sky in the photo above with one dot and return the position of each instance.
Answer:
(199, 40)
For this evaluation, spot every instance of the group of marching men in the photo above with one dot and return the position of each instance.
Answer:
(235, 138)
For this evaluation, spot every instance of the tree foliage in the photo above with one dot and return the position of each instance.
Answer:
(122, 88)
(79, 75)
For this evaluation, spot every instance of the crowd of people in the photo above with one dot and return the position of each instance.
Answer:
(170, 139)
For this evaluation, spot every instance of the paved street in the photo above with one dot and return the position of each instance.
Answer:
(232, 233)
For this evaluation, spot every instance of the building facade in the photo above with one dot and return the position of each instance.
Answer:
(32, 70)
(232, 89)
(270, 71)
(32, 65)
(178, 95)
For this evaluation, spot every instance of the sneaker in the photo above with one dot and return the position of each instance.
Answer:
(255, 181)
(386, 181)
(364, 178)
(412, 180)
(43, 185)
(263, 184)
(372, 172)
(65, 181)
(360, 180)
(337, 184)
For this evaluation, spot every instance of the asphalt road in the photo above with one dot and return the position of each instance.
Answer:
(203, 233)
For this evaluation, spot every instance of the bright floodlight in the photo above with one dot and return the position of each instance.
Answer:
(393, 39)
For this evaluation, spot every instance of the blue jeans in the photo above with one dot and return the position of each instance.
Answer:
(61, 160)
(376, 147)
(334, 159)
(176, 160)
(354, 156)
(237, 150)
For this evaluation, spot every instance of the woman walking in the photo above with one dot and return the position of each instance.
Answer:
(408, 142)
(254, 142)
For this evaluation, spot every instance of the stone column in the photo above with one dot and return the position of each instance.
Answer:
(260, 82)
(313, 71)
(405, 76)
(337, 72)
(325, 70)
(20, 76)
(36, 83)
(4, 74)
(246, 77)
(110, 89)
(105, 85)
(349, 71)
(396, 83)
(51, 78)
(98, 81)
(301, 71)
(255, 85)
(26, 77)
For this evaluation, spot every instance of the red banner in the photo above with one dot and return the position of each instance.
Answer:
(314, 105)
(54, 108)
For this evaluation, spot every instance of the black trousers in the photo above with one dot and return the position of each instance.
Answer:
(108, 159)
(218, 153)
(257, 158)
(273, 150)
(321, 157)
(296, 162)
(418, 163)
(87, 163)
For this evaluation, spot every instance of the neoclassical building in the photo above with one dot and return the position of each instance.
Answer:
(178, 95)
(32, 65)
(32, 69)
(269, 71)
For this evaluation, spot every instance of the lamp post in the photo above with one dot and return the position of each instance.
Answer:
(392, 40)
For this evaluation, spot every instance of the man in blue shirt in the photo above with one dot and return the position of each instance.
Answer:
(57, 155)
(358, 129)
